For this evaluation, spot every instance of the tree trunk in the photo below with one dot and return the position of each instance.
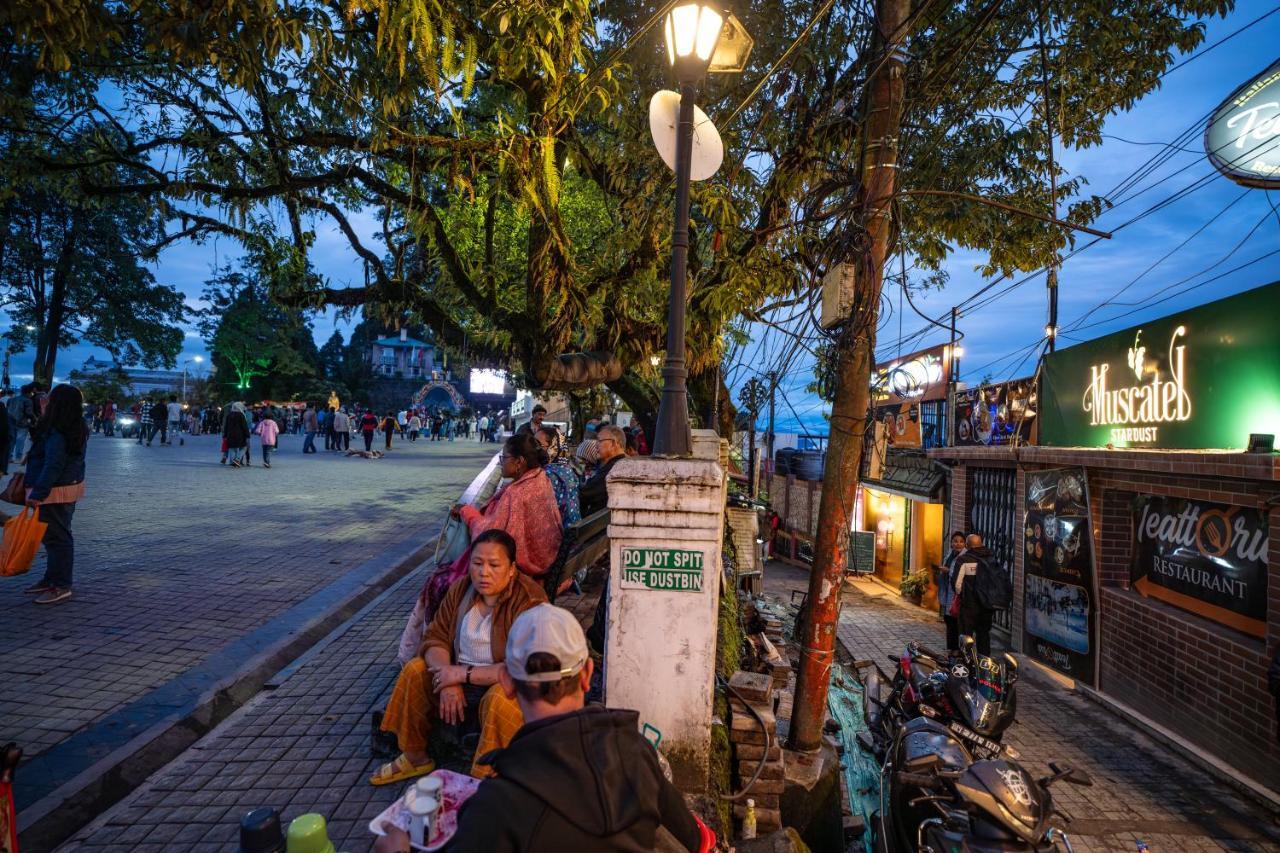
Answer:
(641, 398)
(51, 328)
(855, 354)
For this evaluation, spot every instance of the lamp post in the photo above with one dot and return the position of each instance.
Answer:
(700, 37)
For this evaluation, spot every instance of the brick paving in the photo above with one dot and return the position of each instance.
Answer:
(177, 556)
(1141, 791)
(302, 747)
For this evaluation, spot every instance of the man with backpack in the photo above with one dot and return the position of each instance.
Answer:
(983, 589)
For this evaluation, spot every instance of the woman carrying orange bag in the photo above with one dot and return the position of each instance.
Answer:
(55, 481)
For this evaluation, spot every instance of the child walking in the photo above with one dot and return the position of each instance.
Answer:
(269, 431)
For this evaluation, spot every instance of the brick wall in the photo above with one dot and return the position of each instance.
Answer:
(1200, 679)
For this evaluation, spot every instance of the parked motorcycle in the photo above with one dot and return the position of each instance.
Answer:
(972, 695)
(935, 798)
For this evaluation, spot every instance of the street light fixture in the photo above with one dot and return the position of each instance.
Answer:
(197, 359)
(701, 37)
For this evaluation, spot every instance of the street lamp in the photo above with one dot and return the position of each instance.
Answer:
(700, 37)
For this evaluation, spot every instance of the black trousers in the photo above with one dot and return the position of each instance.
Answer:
(368, 441)
(953, 632)
(975, 620)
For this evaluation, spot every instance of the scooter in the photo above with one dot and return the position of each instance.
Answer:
(972, 695)
(935, 798)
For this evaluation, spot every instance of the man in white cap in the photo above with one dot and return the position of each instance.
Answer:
(574, 777)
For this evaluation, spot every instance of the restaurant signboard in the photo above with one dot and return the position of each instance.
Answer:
(1242, 137)
(914, 377)
(995, 415)
(1207, 558)
(1207, 377)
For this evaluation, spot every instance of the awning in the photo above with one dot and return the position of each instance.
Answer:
(910, 475)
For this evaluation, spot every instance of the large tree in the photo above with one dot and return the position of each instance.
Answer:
(258, 347)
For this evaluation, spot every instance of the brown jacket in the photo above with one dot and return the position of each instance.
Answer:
(519, 596)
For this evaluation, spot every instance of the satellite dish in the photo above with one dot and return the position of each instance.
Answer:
(708, 150)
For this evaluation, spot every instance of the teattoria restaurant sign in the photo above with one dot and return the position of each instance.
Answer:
(1242, 138)
(1204, 378)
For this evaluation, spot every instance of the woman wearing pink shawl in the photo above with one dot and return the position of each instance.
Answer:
(525, 508)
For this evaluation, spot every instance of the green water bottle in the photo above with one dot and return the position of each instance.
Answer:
(308, 834)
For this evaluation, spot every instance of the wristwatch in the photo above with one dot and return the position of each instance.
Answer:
(469, 668)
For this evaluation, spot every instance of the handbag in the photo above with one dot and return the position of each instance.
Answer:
(15, 491)
(22, 536)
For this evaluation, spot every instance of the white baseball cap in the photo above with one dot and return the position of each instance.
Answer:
(550, 630)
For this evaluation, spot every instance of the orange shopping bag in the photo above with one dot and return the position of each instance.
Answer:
(22, 536)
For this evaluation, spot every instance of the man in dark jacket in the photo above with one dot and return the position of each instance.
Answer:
(593, 494)
(975, 616)
(573, 778)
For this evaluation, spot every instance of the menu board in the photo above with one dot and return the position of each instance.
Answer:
(1060, 616)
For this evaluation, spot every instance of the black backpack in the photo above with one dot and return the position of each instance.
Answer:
(993, 587)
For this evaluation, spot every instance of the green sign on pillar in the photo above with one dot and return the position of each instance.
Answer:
(1207, 377)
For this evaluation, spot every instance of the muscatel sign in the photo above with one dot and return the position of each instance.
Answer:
(1243, 136)
(1207, 558)
(1140, 405)
(1203, 378)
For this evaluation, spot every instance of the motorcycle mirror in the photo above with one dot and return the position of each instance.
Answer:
(923, 763)
(1011, 665)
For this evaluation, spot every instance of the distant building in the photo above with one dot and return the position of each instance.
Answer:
(407, 358)
(141, 383)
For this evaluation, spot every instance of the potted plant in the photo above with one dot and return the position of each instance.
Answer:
(913, 585)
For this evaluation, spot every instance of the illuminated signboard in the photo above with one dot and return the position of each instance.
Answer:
(1243, 136)
(912, 378)
(1204, 378)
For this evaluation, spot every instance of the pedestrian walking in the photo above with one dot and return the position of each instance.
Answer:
(22, 416)
(310, 426)
(326, 426)
(402, 421)
(389, 426)
(55, 483)
(341, 430)
(143, 415)
(268, 433)
(235, 431)
(415, 427)
(159, 423)
(174, 413)
(368, 426)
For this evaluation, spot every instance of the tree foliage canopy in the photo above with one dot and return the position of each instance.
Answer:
(502, 149)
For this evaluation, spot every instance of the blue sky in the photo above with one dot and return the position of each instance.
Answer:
(999, 334)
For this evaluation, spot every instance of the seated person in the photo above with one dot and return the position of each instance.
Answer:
(460, 660)
(573, 778)
(593, 495)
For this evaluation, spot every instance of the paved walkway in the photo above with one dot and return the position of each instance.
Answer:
(178, 556)
(1140, 790)
(303, 747)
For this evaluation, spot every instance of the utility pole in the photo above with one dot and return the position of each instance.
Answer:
(855, 354)
(1051, 278)
(953, 380)
(768, 439)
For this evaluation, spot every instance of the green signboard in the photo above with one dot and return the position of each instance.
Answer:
(1204, 378)
(664, 569)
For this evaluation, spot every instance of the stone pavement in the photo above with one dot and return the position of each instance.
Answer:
(1140, 790)
(177, 555)
(302, 747)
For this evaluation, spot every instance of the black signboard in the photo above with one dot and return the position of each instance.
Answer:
(1207, 558)
(1060, 617)
(863, 550)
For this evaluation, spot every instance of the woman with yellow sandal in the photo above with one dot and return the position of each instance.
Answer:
(461, 656)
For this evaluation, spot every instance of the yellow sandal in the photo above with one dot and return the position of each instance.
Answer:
(400, 770)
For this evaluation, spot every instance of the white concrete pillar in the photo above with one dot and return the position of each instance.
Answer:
(666, 520)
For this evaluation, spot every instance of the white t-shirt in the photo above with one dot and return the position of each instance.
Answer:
(175, 411)
(475, 640)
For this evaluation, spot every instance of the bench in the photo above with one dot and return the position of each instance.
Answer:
(590, 538)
